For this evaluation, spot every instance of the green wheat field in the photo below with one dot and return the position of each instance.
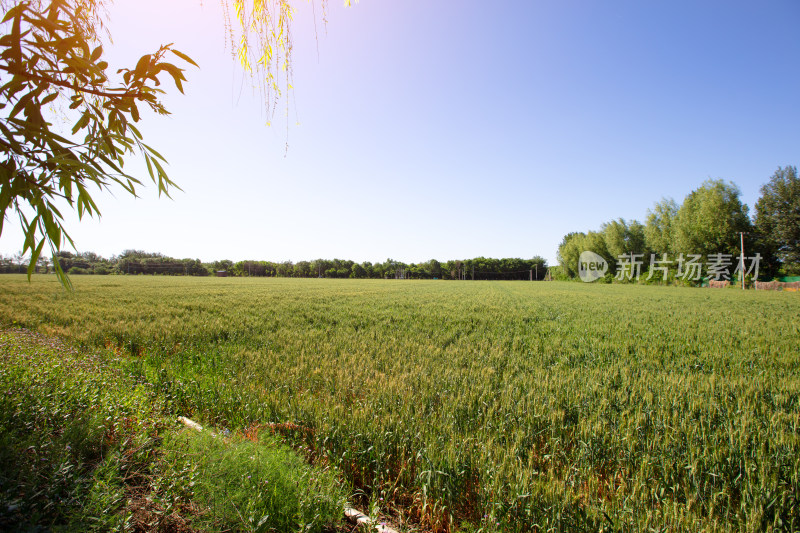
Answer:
(476, 405)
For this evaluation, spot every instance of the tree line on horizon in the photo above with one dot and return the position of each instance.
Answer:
(709, 221)
(135, 262)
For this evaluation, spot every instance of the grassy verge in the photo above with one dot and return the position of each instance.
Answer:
(85, 446)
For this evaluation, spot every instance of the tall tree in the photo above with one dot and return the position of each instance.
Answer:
(658, 230)
(622, 238)
(434, 268)
(574, 244)
(569, 251)
(710, 219)
(777, 217)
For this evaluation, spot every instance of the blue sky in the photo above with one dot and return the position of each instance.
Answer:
(453, 129)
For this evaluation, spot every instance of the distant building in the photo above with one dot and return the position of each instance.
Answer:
(221, 273)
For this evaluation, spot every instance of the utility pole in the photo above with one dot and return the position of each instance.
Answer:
(741, 260)
(531, 272)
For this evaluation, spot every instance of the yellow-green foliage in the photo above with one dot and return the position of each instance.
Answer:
(505, 405)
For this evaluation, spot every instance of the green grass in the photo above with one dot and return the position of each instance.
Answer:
(85, 446)
(495, 405)
(68, 435)
(261, 486)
